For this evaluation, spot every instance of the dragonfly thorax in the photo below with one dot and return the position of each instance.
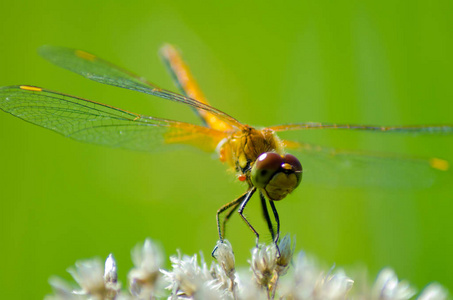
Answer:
(242, 148)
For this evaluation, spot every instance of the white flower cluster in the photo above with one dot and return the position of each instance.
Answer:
(191, 279)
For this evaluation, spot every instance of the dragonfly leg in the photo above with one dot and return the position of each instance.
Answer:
(234, 204)
(241, 210)
(266, 216)
(277, 220)
(227, 217)
(221, 228)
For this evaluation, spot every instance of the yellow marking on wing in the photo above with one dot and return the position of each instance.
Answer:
(31, 88)
(439, 164)
(85, 55)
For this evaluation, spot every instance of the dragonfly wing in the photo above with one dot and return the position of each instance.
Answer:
(342, 168)
(97, 123)
(415, 129)
(186, 83)
(97, 69)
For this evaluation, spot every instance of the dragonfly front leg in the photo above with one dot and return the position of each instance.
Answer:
(241, 210)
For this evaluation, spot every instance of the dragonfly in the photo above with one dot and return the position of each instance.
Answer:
(258, 156)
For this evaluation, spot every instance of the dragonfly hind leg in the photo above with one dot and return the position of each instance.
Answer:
(266, 216)
(233, 205)
(275, 236)
(228, 216)
(277, 220)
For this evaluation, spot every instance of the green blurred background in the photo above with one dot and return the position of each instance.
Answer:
(264, 63)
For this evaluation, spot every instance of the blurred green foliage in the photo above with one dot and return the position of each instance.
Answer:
(371, 62)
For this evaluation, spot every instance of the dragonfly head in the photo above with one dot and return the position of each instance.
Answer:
(276, 175)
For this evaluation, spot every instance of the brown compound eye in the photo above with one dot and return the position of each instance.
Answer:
(266, 165)
(296, 167)
(294, 162)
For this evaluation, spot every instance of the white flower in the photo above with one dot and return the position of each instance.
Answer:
(62, 290)
(286, 254)
(93, 284)
(310, 283)
(333, 286)
(111, 278)
(225, 257)
(147, 259)
(263, 264)
(189, 280)
(304, 278)
(247, 288)
(89, 274)
(387, 287)
(110, 270)
(433, 291)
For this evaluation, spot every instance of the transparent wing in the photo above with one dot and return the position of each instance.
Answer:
(97, 69)
(97, 123)
(416, 129)
(343, 168)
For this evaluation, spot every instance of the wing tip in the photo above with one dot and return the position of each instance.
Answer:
(439, 164)
(167, 49)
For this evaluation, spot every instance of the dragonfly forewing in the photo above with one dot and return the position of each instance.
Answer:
(97, 123)
(99, 70)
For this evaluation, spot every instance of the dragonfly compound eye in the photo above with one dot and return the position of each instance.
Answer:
(296, 166)
(265, 167)
(276, 175)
